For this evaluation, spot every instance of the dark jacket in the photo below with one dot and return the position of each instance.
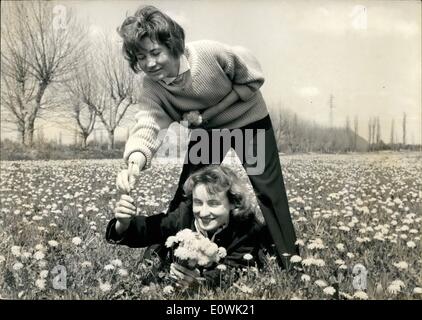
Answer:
(240, 237)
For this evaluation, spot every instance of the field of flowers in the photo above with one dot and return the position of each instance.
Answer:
(351, 212)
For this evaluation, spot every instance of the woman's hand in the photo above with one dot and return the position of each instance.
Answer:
(185, 277)
(124, 212)
(127, 178)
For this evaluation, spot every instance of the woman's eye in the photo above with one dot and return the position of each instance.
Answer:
(156, 53)
(197, 202)
(214, 203)
(140, 57)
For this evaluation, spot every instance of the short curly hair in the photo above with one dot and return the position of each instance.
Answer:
(218, 178)
(148, 21)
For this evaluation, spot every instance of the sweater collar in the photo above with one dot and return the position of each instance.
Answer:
(204, 233)
(183, 67)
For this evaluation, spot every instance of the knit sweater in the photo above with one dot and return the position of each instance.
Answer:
(215, 70)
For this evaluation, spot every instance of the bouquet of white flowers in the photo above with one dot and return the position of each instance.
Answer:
(192, 249)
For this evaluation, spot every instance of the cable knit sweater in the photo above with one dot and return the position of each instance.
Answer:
(215, 70)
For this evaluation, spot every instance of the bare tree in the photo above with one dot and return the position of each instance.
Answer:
(117, 90)
(356, 129)
(378, 130)
(82, 91)
(404, 129)
(35, 53)
(392, 134)
(369, 133)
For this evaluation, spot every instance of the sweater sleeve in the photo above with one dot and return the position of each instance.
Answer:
(242, 68)
(144, 231)
(146, 135)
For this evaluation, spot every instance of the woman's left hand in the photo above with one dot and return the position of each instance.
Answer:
(185, 276)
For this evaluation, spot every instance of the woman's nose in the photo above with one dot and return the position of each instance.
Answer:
(204, 212)
(151, 62)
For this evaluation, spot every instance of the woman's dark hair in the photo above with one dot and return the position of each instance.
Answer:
(218, 178)
(150, 22)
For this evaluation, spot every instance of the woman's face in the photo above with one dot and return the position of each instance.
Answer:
(211, 211)
(156, 60)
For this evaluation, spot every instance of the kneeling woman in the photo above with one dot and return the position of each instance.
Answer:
(217, 207)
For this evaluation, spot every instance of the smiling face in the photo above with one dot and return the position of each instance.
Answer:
(211, 211)
(156, 60)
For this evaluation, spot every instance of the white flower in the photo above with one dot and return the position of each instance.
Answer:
(360, 295)
(305, 278)
(403, 265)
(76, 241)
(17, 266)
(340, 247)
(339, 262)
(320, 283)
(53, 243)
(300, 242)
(40, 283)
(39, 255)
(399, 283)
(393, 288)
(39, 247)
(316, 244)
(168, 290)
(319, 262)
(221, 267)
(244, 288)
(43, 274)
(123, 272)
(308, 261)
(16, 251)
(42, 264)
(417, 290)
(411, 244)
(329, 290)
(171, 241)
(86, 264)
(145, 290)
(247, 257)
(108, 267)
(105, 287)
(295, 259)
(350, 255)
(2, 259)
(116, 262)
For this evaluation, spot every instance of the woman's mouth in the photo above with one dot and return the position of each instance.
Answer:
(154, 71)
(206, 220)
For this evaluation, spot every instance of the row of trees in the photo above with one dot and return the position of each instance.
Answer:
(52, 69)
(298, 135)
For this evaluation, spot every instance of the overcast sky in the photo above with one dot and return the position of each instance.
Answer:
(366, 53)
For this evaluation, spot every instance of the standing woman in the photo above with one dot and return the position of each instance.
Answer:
(221, 84)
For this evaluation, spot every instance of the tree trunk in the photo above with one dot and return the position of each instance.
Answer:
(84, 138)
(111, 139)
(28, 139)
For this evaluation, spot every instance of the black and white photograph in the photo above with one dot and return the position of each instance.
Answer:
(211, 150)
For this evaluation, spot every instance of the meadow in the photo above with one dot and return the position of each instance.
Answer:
(357, 219)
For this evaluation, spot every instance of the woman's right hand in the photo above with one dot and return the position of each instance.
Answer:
(124, 212)
(127, 178)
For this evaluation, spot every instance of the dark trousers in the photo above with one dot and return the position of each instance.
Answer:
(268, 185)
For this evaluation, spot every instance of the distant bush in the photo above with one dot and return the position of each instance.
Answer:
(11, 150)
